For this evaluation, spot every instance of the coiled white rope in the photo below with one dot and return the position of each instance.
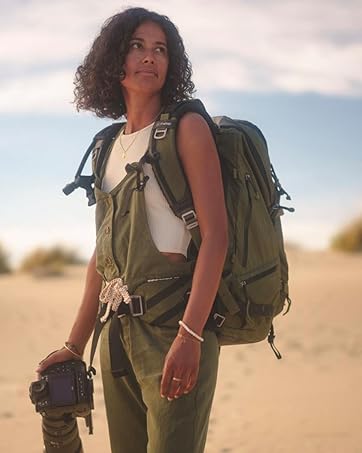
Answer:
(113, 294)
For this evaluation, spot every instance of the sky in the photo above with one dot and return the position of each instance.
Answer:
(293, 68)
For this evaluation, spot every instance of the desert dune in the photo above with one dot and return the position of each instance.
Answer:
(308, 402)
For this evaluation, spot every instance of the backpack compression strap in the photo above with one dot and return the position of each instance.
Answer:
(167, 167)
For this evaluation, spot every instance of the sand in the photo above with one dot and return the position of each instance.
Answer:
(308, 402)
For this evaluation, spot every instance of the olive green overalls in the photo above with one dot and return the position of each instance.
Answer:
(139, 419)
(136, 339)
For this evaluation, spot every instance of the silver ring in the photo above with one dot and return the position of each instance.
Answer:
(176, 379)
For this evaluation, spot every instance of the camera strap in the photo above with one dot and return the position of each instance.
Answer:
(118, 357)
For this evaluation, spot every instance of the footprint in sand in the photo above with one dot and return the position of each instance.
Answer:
(240, 356)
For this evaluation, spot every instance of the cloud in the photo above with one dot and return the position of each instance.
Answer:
(288, 46)
(43, 93)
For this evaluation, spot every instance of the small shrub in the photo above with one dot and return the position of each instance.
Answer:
(49, 262)
(4, 261)
(350, 238)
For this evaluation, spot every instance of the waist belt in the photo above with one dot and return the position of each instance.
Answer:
(135, 307)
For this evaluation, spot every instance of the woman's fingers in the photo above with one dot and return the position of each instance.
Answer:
(171, 381)
(177, 386)
(181, 368)
(181, 386)
(191, 383)
(175, 383)
(43, 364)
(167, 374)
(57, 356)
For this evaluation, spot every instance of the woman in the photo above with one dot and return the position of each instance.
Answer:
(137, 66)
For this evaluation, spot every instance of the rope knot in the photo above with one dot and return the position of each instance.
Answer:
(113, 294)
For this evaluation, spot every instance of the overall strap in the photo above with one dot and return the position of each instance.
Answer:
(162, 155)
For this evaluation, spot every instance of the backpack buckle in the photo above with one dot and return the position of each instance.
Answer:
(219, 319)
(137, 306)
(190, 220)
(160, 133)
(161, 127)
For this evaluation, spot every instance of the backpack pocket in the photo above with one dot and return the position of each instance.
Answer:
(259, 298)
(257, 237)
(252, 237)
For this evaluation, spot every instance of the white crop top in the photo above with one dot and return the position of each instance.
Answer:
(168, 231)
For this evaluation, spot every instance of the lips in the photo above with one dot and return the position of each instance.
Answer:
(147, 71)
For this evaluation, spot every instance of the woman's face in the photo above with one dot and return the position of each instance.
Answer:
(146, 62)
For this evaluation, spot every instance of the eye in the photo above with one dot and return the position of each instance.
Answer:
(161, 49)
(135, 45)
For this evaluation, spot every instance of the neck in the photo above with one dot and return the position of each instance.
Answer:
(141, 112)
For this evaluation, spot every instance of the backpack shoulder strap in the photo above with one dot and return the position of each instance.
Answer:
(98, 149)
(162, 155)
(103, 140)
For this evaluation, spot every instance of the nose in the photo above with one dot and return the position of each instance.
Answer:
(148, 57)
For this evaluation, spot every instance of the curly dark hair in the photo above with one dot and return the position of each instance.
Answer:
(97, 80)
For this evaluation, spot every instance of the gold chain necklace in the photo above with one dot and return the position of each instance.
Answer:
(124, 153)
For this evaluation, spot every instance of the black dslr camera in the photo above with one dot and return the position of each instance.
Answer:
(65, 389)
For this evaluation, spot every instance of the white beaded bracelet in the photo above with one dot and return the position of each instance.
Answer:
(191, 332)
(74, 353)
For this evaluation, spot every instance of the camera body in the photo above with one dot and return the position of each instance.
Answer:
(65, 388)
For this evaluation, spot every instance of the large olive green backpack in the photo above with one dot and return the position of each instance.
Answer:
(254, 285)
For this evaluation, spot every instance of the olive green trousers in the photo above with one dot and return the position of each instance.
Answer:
(139, 420)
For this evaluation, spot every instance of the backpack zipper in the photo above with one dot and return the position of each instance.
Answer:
(247, 220)
(256, 277)
(250, 181)
(255, 153)
(259, 162)
(249, 280)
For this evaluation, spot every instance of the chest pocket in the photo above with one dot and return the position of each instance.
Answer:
(138, 185)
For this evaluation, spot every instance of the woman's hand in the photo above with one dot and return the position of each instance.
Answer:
(61, 355)
(181, 367)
